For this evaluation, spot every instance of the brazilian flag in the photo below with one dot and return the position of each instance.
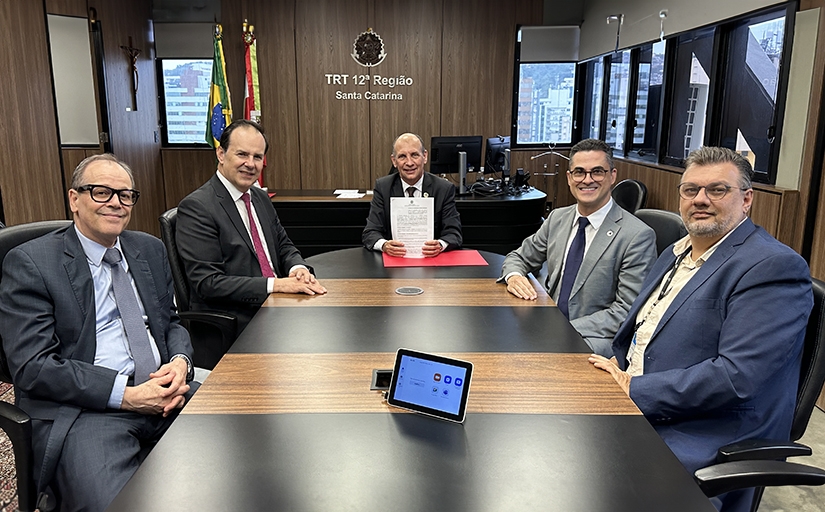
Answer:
(220, 109)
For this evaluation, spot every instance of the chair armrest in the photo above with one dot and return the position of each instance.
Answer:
(18, 427)
(730, 476)
(225, 322)
(761, 449)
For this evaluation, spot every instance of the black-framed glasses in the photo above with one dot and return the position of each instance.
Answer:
(103, 194)
(714, 191)
(596, 174)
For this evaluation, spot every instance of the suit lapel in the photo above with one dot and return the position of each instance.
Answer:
(80, 279)
(231, 211)
(142, 275)
(556, 245)
(722, 254)
(607, 232)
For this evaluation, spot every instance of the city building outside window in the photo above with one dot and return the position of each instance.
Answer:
(185, 100)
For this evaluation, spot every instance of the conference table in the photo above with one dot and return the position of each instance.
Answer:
(287, 420)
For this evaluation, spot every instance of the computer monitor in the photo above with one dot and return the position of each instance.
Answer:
(494, 156)
(444, 153)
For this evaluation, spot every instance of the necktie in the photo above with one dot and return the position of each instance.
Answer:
(411, 192)
(571, 266)
(266, 269)
(133, 324)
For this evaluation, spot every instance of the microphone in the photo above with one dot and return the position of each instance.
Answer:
(505, 169)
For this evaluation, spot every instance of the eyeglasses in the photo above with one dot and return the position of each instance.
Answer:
(103, 194)
(596, 174)
(714, 191)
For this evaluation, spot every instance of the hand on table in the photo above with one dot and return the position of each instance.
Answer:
(520, 286)
(300, 280)
(394, 248)
(432, 248)
(609, 365)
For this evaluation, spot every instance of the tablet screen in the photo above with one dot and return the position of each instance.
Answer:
(430, 384)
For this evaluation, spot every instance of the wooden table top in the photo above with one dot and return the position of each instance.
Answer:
(526, 383)
(437, 292)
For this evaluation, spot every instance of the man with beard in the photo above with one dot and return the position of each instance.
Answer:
(698, 354)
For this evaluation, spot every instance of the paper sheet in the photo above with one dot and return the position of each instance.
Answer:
(412, 220)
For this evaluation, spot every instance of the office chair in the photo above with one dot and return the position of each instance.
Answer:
(630, 195)
(753, 463)
(212, 332)
(667, 225)
(13, 420)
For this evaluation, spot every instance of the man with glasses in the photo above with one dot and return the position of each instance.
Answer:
(710, 350)
(597, 254)
(99, 359)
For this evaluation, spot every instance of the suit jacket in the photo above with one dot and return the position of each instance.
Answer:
(218, 254)
(723, 363)
(47, 322)
(447, 219)
(609, 279)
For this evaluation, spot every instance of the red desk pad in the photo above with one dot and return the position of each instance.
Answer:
(462, 258)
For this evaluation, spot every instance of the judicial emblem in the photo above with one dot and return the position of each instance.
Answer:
(368, 49)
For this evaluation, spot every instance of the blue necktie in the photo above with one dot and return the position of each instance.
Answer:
(133, 323)
(571, 267)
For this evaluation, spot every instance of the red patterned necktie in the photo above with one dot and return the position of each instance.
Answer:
(266, 268)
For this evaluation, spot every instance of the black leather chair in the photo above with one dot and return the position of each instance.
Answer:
(630, 195)
(212, 332)
(754, 463)
(13, 420)
(667, 225)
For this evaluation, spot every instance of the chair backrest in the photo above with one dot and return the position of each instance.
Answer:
(812, 371)
(667, 225)
(630, 195)
(11, 237)
(168, 224)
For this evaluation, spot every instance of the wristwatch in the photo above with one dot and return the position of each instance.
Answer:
(190, 370)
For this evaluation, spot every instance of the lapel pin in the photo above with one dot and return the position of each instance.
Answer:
(426, 194)
(610, 233)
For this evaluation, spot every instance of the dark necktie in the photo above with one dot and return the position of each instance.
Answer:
(411, 191)
(133, 324)
(571, 267)
(266, 268)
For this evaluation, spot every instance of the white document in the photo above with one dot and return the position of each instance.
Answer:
(350, 195)
(345, 191)
(413, 220)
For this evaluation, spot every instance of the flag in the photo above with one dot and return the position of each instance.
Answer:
(220, 108)
(252, 91)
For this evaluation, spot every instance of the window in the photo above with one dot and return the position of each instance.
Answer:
(185, 89)
(593, 87)
(650, 77)
(545, 103)
(691, 91)
(617, 100)
(752, 77)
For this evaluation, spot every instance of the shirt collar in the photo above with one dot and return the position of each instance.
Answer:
(234, 193)
(94, 251)
(683, 244)
(596, 218)
(418, 185)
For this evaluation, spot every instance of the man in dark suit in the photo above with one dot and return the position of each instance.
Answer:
(409, 157)
(89, 327)
(711, 348)
(233, 264)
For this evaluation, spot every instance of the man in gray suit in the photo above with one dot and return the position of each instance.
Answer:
(597, 254)
(99, 359)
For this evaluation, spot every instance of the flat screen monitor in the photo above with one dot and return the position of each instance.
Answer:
(444, 153)
(494, 156)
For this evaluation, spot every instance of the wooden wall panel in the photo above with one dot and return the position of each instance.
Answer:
(477, 68)
(30, 177)
(334, 134)
(133, 132)
(411, 32)
(184, 171)
(274, 23)
(75, 8)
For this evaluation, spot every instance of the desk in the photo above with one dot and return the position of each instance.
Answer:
(317, 222)
(286, 420)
